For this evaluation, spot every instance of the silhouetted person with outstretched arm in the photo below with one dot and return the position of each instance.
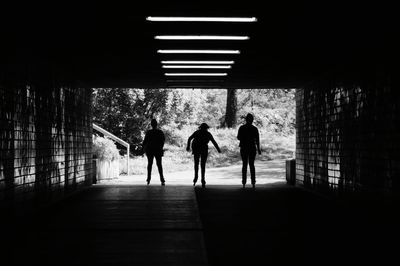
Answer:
(153, 145)
(200, 138)
(249, 145)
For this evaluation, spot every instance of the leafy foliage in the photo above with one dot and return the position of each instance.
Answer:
(273, 109)
(105, 149)
(127, 112)
(274, 146)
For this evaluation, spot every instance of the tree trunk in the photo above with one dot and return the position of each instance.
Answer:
(231, 108)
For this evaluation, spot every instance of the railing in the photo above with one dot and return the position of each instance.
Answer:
(115, 138)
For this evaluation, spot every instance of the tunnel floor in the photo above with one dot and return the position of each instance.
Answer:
(274, 224)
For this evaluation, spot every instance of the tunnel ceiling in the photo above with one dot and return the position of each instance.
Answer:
(113, 45)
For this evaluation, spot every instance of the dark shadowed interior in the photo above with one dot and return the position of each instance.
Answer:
(339, 205)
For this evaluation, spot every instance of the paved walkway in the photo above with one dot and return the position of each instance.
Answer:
(275, 224)
(267, 172)
(115, 225)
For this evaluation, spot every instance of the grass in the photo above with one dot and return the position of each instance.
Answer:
(176, 158)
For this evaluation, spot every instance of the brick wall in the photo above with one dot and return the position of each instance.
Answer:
(347, 135)
(45, 143)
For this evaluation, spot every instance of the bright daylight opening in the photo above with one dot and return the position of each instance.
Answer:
(127, 114)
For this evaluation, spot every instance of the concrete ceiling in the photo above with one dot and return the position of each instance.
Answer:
(112, 44)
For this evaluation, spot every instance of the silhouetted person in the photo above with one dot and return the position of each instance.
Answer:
(200, 138)
(153, 145)
(249, 145)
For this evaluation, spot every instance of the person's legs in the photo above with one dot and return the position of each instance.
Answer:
(204, 156)
(160, 169)
(150, 158)
(245, 157)
(196, 166)
(252, 157)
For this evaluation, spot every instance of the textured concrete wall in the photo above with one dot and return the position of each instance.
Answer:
(348, 136)
(45, 143)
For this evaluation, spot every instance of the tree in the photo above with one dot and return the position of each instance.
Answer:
(231, 108)
(274, 109)
(127, 112)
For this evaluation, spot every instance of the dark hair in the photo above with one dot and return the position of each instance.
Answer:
(203, 126)
(249, 118)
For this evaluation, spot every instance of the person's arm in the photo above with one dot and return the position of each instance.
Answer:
(188, 142)
(162, 142)
(162, 139)
(215, 143)
(239, 136)
(258, 141)
(146, 139)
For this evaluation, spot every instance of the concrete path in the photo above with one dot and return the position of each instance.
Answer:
(267, 172)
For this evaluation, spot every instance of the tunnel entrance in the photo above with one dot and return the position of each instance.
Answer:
(127, 113)
(340, 59)
(109, 223)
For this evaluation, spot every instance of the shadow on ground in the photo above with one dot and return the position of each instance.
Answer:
(283, 225)
(275, 224)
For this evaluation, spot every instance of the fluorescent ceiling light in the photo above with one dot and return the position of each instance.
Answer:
(194, 80)
(200, 37)
(194, 66)
(199, 62)
(198, 51)
(203, 19)
(196, 74)
(192, 86)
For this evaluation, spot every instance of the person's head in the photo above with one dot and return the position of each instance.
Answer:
(204, 126)
(249, 118)
(153, 123)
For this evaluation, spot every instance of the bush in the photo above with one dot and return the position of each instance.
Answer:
(176, 136)
(105, 149)
(176, 158)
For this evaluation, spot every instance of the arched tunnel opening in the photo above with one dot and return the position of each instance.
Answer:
(339, 202)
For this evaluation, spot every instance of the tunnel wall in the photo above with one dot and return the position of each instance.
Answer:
(45, 143)
(347, 137)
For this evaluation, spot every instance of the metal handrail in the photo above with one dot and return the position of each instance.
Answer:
(120, 141)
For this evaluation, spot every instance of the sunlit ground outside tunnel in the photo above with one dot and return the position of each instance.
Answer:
(267, 172)
(126, 113)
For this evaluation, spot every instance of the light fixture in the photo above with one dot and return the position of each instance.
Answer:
(202, 19)
(194, 80)
(199, 62)
(172, 51)
(201, 37)
(193, 86)
(195, 66)
(196, 74)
